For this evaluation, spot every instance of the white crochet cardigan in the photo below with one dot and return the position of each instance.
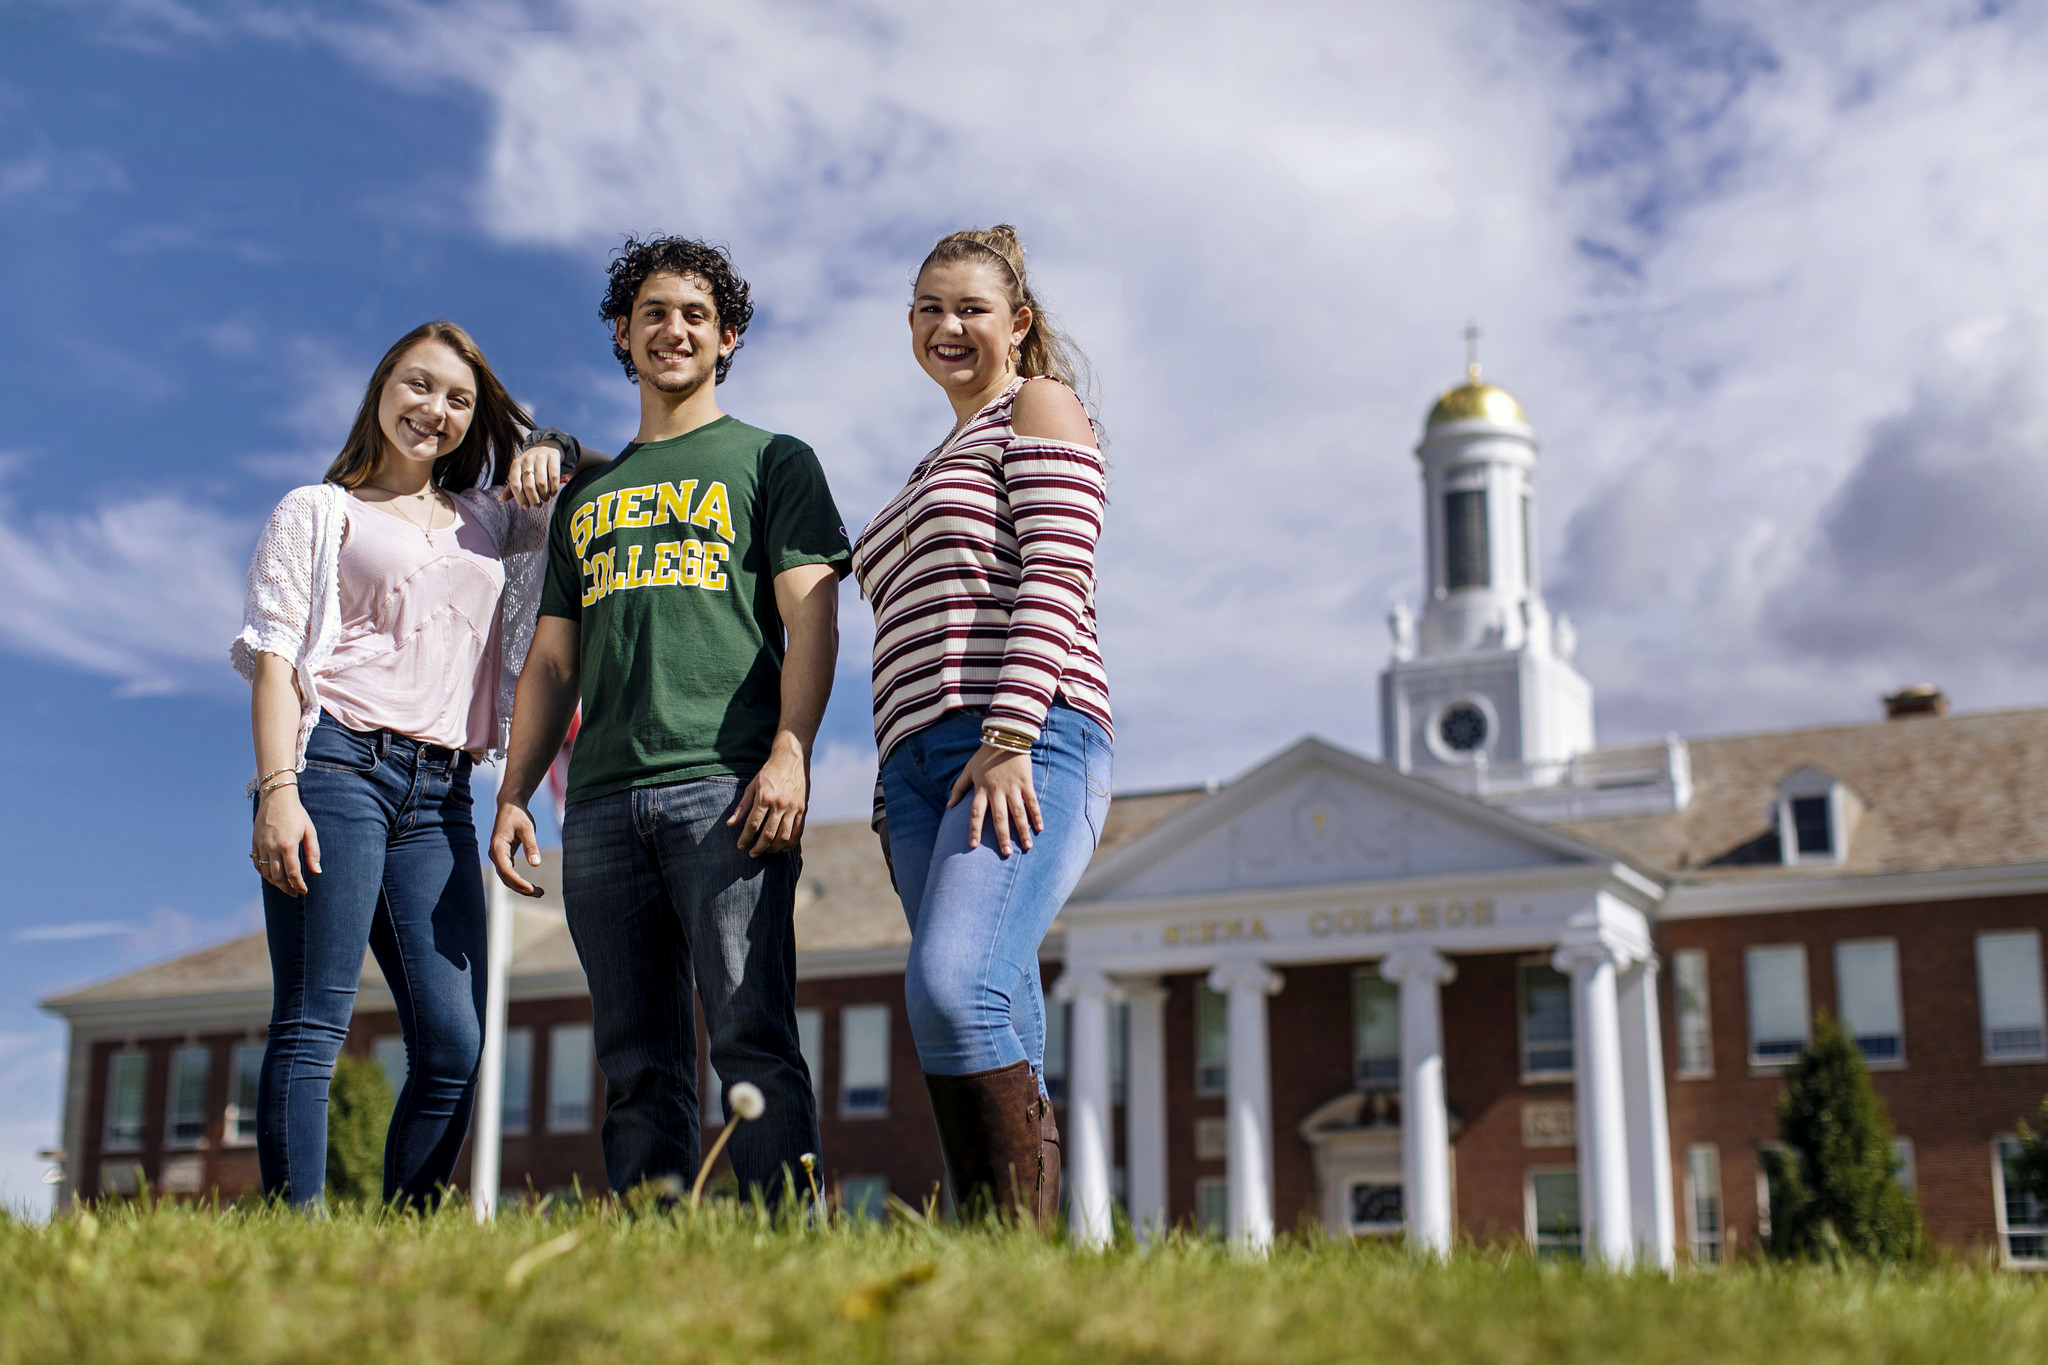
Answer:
(292, 607)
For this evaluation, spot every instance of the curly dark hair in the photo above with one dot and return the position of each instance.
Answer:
(635, 260)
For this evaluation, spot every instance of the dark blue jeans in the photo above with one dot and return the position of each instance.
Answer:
(977, 919)
(663, 903)
(399, 875)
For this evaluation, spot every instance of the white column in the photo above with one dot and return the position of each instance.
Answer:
(1603, 1136)
(1655, 1221)
(1086, 1139)
(1145, 1106)
(1422, 973)
(1248, 1100)
(485, 1133)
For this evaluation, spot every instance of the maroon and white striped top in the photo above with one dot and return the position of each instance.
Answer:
(981, 573)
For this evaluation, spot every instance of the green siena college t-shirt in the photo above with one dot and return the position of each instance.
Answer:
(666, 560)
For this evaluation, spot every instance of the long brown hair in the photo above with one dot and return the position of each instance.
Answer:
(1043, 351)
(494, 428)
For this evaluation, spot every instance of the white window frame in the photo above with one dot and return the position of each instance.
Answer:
(810, 1041)
(865, 1107)
(179, 1054)
(231, 1134)
(2006, 1232)
(1548, 1075)
(118, 1060)
(1370, 976)
(1212, 1190)
(1776, 1061)
(572, 1043)
(516, 1123)
(1897, 1062)
(1211, 1077)
(1843, 810)
(1701, 1019)
(1530, 1227)
(1708, 1247)
(1996, 1056)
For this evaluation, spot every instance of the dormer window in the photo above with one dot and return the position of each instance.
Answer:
(1816, 818)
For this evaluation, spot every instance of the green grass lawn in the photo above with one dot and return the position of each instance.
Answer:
(177, 1284)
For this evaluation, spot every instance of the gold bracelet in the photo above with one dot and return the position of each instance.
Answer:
(274, 772)
(996, 737)
(276, 786)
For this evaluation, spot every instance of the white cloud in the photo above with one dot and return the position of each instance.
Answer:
(146, 590)
(65, 933)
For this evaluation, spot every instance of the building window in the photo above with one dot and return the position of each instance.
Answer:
(185, 1124)
(1546, 1010)
(1212, 1206)
(2022, 1219)
(1703, 1202)
(864, 1059)
(1375, 1030)
(1374, 1209)
(1466, 557)
(389, 1053)
(1057, 1018)
(864, 1196)
(127, 1077)
(1119, 1050)
(571, 1064)
(1695, 1026)
(1553, 1213)
(244, 1084)
(1778, 1014)
(1212, 1041)
(1812, 832)
(515, 1104)
(810, 1040)
(1867, 991)
(2009, 994)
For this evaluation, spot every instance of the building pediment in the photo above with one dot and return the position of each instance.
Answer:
(1317, 815)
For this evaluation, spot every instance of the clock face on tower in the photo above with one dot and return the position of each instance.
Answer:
(1462, 727)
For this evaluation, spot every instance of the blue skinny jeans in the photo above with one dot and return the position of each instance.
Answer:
(977, 918)
(399, 875)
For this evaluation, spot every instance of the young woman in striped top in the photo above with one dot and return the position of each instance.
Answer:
(991, 706)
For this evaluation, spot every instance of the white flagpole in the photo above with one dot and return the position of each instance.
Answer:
(485, 1127)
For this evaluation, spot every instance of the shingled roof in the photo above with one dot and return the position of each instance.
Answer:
(1938, 792)
(844, 904)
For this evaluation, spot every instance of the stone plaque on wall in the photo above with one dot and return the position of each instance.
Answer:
(1549, 1125)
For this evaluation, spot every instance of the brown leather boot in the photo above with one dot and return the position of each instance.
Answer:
(1048, 1207)
(992, 1128)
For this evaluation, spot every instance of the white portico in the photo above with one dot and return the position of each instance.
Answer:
(1321, 856)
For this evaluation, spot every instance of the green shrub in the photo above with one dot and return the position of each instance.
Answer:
(1834, 1185)
(359, 1104)
(2030, 1169)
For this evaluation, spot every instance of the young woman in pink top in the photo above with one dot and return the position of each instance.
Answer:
(388, 612)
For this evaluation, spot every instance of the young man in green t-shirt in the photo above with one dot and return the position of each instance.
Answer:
(674, 575)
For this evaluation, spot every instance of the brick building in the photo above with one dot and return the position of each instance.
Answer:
(1504, 985)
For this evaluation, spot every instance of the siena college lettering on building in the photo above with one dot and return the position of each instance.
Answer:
(1503, 984)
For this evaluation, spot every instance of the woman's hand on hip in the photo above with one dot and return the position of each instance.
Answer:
(284, 832)
(1003, 795)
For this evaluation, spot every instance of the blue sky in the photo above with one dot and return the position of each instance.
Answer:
(1766, 277)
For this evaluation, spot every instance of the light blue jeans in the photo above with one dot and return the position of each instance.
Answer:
(977, 918)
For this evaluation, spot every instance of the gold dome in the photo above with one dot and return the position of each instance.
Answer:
(1473, 399)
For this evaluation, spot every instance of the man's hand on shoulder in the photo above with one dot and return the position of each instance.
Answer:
(771, 810)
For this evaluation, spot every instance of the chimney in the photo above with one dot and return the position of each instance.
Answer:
(1919, 699)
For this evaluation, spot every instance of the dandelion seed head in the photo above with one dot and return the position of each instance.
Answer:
(747, 1100)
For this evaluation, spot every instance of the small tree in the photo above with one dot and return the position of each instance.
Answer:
(359, 1104)
(2030, 1167)
(1834, 1185)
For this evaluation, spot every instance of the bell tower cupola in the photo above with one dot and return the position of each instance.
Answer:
(1484, 680)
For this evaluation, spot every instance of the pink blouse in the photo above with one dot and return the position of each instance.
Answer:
(418, 647)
